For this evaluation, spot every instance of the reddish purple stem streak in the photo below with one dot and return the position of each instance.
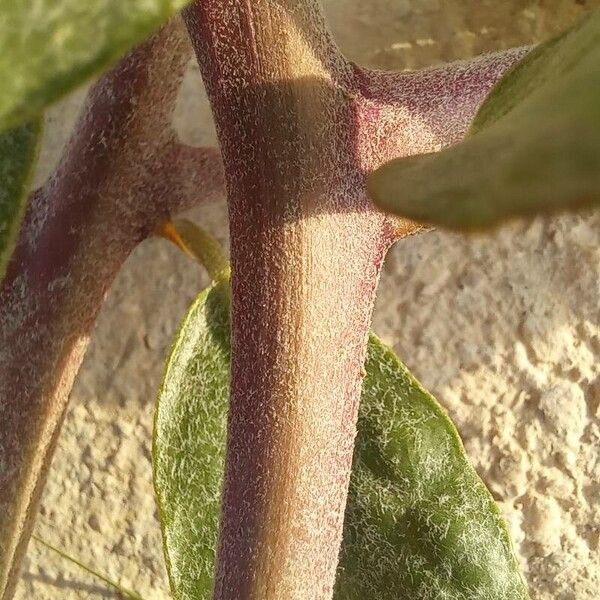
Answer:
(121, 176)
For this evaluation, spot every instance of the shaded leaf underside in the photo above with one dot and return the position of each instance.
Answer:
(18, 153)
(48, 47)
(533, 147)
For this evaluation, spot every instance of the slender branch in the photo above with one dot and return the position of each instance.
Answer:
(186, 177)
(123, 592)
(300, 128)
(422, 111)
(119, 179)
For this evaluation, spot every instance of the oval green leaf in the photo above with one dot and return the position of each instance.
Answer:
(18, 154)
(189, 444)
(533, 147)
(420, 524)
(48, 47)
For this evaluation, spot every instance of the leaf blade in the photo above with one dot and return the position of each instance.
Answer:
(189, 433)
(48, 47)
(18, 153)
(420, 523)
(533, 146)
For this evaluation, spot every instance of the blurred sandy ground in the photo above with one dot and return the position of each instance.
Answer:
(504, 329)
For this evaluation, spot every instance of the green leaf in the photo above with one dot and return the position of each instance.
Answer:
(420, 524)
(48, 47)
(533, 147)
(18, 154)
(189, 444)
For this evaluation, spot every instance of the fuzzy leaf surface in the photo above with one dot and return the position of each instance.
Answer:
(190, 430)
(48, 47)
(533, 147)
(420, 524)
(18, 153)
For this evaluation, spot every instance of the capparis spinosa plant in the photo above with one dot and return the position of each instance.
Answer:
(294, 455)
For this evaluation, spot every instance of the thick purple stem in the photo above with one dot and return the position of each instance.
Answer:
(121, 176)
(300, 128)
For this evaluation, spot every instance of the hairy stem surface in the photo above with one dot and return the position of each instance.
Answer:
(114, 185)
(300, 128)
(306, 251)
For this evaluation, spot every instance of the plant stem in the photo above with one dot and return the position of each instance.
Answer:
(306, 251)
(112, 188)
(200, 246)
(299, 129)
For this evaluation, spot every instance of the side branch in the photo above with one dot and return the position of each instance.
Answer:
(186, 177)
(403, 114)
(118, 180)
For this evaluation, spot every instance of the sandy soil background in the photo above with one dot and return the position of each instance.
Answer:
(504, 329)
